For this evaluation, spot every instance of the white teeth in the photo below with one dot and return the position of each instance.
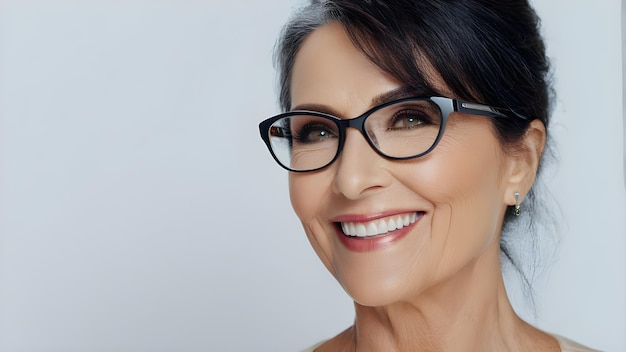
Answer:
(391, 225)
(360, 230)
(372, 230)
(383, 227)
(378, 226)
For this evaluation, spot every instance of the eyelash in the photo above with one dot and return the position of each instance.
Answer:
(420, 115)
(300, 134)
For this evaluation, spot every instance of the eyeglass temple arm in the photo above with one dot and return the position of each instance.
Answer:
(486, 110)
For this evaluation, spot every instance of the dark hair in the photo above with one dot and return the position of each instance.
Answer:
(486, 51)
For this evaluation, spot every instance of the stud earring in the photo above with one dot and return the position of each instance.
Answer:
(516, 211)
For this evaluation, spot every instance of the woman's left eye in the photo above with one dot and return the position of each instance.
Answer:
(408, 120)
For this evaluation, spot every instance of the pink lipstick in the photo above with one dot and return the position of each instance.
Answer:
(369, 233)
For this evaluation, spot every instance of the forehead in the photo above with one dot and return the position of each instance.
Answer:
(329, 70)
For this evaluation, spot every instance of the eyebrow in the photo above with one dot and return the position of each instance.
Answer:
(395, 94)
(398, 93)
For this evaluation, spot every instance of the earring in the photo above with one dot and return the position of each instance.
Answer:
(516, 211)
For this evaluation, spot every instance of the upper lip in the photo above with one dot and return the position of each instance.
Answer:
(371, 217)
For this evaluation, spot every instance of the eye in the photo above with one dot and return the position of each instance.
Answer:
(408, 119)
(315, 133)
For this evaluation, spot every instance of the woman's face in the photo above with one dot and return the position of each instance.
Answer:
(453, 199)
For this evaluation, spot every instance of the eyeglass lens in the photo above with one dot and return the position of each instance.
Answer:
(405, 129)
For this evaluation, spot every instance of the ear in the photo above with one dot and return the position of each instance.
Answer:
(524, 162)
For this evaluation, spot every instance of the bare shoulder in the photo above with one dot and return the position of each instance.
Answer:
(568, 345)
(312, 348)
(342, 342)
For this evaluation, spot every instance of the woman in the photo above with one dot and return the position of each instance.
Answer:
(413, 134)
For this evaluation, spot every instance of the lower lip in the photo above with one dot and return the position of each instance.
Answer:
(374, 243)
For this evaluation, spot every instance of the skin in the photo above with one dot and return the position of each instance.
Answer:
(439, 288)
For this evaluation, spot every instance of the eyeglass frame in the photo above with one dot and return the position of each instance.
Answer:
(446, 106)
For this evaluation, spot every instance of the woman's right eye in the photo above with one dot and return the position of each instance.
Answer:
(314, 133)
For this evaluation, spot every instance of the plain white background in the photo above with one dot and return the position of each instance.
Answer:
(140, 211)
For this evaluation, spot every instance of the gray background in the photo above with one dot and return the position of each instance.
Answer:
(139, 210)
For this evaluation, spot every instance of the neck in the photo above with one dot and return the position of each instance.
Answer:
(468, 312)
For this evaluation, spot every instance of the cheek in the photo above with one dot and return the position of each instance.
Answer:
(463, 182)
(308, 193)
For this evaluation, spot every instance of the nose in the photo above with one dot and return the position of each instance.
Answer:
(360, 170)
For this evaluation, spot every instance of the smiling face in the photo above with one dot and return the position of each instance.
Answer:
(446, 207)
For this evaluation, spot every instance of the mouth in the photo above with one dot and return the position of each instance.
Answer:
(367, 234)
(379, 227)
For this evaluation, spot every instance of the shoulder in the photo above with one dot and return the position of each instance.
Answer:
(568, 345)
(312, 348)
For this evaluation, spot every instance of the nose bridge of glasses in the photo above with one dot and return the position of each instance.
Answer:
(356, 123)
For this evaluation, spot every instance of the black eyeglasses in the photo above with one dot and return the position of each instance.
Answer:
(302, 141)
